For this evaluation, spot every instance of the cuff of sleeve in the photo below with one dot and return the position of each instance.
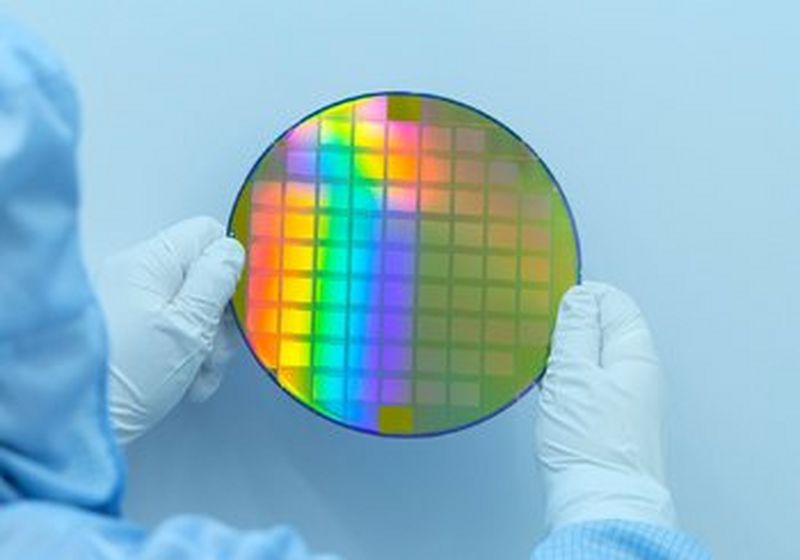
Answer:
(617, 539)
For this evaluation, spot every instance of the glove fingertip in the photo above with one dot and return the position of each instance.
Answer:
(577, 332)
(228, 251)
(224, 259)
(206, 227)
(211, 280)
(579, 308)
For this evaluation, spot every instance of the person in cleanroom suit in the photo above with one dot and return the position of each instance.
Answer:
(65, 404)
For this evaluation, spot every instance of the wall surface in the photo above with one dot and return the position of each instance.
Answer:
(674, 128)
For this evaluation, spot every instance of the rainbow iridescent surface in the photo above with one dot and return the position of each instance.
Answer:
(406, 257)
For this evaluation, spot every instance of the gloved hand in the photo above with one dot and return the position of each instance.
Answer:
(598, 419)
(164, 301)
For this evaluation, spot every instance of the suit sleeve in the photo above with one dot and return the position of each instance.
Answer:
(618, 540)
(61, 476)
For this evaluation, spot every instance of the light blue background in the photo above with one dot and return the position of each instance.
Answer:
(674, 129)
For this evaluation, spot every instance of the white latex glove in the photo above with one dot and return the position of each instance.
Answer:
(598, 425)
(164, 301)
